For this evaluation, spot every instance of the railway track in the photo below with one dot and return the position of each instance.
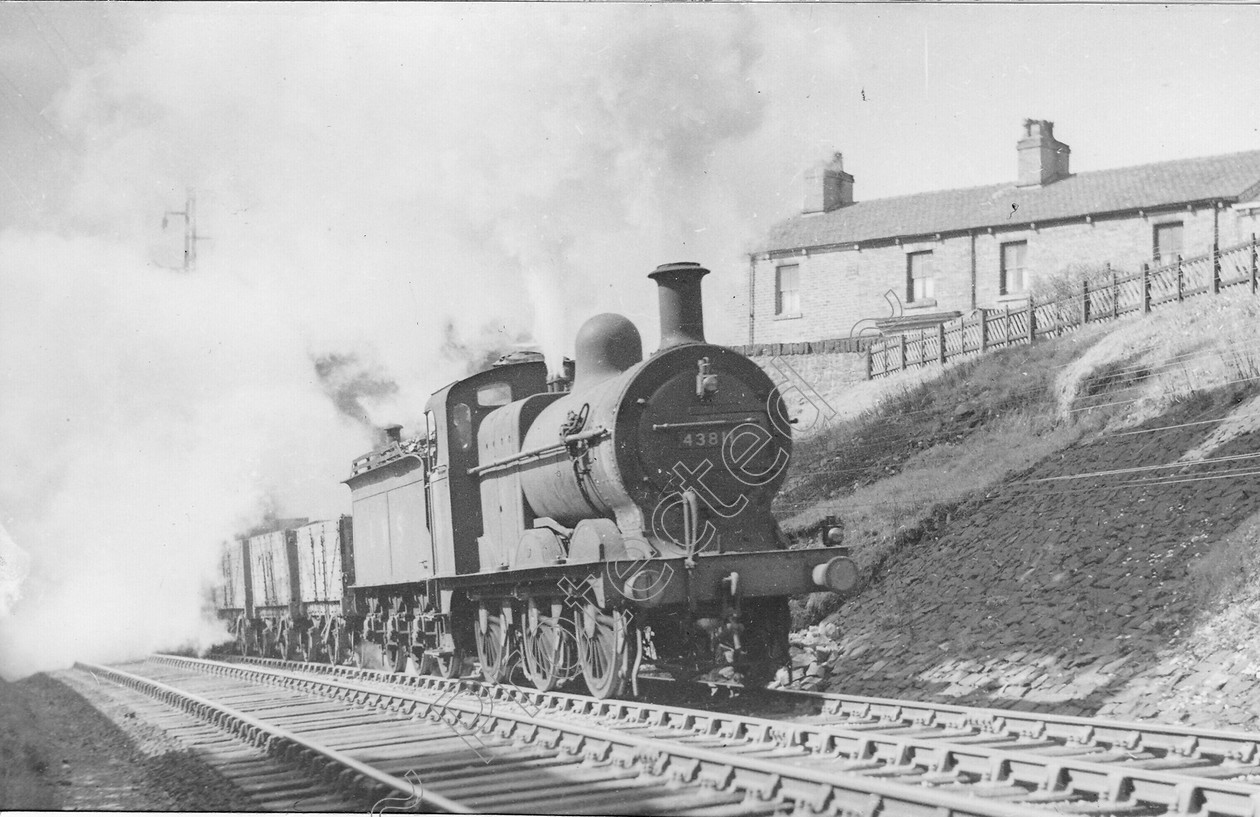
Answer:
(266, 763)
(466, 746)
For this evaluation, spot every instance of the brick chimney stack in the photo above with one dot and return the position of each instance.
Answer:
(827, 186)
(1042, 158)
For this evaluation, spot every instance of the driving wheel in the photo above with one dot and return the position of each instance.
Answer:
(492, 647)
(450, 666)
(546, 650)
(606, 645)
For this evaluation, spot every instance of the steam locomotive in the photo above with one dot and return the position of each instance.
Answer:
(609, 518)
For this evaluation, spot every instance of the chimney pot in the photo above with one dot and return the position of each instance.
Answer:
(1042, 158)
(827, 186)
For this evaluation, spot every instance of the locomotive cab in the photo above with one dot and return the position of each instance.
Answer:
(455, 415)
(417, 516)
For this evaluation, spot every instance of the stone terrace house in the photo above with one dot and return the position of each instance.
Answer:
(843, 268)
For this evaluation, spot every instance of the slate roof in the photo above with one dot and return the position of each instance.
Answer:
(1229, 177)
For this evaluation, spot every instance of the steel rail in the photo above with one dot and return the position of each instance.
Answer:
(1123, 786)
(275, 739)
(1130, 736)
(820, 791)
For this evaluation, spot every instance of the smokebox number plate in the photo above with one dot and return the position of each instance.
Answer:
(702, 439)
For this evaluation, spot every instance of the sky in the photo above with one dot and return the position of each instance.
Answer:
(388, 194)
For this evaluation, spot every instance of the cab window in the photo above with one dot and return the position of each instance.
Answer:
(494, 394)
(430, 434)
(461, 418)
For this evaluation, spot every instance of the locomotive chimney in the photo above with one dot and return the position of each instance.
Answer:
(393, 434)
(682, 309)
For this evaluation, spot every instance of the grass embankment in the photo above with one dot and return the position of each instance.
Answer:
(896, 473)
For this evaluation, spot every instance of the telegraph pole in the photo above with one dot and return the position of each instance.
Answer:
(189, 214)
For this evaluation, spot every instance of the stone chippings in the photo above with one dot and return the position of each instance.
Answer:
(1072, 596)
(66, 743)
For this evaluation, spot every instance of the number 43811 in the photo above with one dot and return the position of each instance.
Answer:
(702, 439)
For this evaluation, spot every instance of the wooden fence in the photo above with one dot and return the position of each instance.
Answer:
(1124, 294)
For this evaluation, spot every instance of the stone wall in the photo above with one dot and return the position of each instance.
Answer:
(812, 376)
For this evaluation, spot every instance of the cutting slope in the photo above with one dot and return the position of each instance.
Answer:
(1084, 544)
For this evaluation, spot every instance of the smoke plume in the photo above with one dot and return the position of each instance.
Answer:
(387, 195)
(355, 388)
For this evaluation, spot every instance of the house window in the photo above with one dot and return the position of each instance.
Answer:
(1014, 277)
(787, 290)
(920, 283)
(1167, 242)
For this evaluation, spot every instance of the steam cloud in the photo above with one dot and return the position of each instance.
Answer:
(15, 563)
(481, 351)
(391, 193)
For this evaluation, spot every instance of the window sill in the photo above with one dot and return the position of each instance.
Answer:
(791, 317)
(926, 303)
(1016, 298)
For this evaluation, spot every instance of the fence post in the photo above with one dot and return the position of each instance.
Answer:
(1006, 333)
(1084, 302)
(940, 340)
(1179, 277)
(903, 351)
(1115, 292)
(1216, 266)
(1146, 288)
(984, 330)
(869, 365)
(1032, 320)
(1253, 263)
